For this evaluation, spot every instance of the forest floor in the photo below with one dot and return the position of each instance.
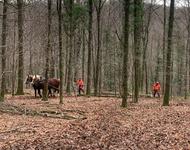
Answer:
(93, 123)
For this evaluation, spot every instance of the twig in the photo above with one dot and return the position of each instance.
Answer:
(12, 130)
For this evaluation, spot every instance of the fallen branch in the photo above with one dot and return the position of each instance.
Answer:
(15, 110)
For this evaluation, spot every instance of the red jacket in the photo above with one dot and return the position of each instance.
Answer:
(156, 87)
(80, 82)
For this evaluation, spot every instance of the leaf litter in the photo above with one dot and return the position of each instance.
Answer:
(105, 125)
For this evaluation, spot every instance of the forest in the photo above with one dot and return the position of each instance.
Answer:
(94, 74)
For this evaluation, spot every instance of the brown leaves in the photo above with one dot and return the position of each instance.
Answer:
(146, 125)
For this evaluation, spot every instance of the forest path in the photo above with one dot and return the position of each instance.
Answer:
(146, 125)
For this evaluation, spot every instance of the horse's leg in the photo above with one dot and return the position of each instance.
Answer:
(35, 92)
(39, 92)
(54, 91)
(50, 94)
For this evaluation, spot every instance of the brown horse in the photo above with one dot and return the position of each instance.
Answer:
(30, 78)
(53, 84)
(38, 84)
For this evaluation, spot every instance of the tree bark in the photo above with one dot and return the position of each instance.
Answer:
(137, 45)
(52, 64)
(13, 59)
(169, 52)
(69, 76)
(145, 45)
(125, 53)
(83, 53)
(30, 49)
(97, 74)
(98, 68)
(20, 48)
(3, 49)
(45, 90)
(89, 71)
(164, 45)
(59, 3)
(188, 36)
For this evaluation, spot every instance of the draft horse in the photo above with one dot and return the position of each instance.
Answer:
(38, 84)
(52, 84)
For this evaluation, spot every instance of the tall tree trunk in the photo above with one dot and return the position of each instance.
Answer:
(45, 90)
(52, 63)
(3, 49)
(145, 45)
(137, 44)
(20, 48)
(187, 53)
(78, 42)
(188, 40)
(13, 59)
(98, 73)
(89, 71)
(164, 46)
(59, 6)
(186, 69)
(169, 52)
(125, 53)
(98, 61)
(30, 49)
(66, 58)
(83, 53)
(180, 63)
(157, 70)
(69, 76)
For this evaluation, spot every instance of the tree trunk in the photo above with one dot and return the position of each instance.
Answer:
(88, 89)
(137, 44)
(145, 45)
(52, 64)
(30, 49)
(69, 76)
(186, 69)
(45, 90)
(169, 52)
(125, 53)
(157, 70)
(83, 54)
(97, 74)
(59, 3)
(164, 45)
(188, 36)
(3, 49)
(78, 42)
(66, 57)
(20, 48)
(13, 59)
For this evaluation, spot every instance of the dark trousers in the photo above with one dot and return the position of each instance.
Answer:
(156, 92)
(80, 88)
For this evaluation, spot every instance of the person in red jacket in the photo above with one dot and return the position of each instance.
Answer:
(80, 85)
(156, 89)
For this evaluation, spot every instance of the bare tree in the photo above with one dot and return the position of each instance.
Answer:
(59, 10)
(45, 91)
(164, 45)
(70, 74)
(168, 55)
(20, 48)
(125, 52)
(99, 6)
(137, 44)
(89, 72)
(3, 48)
